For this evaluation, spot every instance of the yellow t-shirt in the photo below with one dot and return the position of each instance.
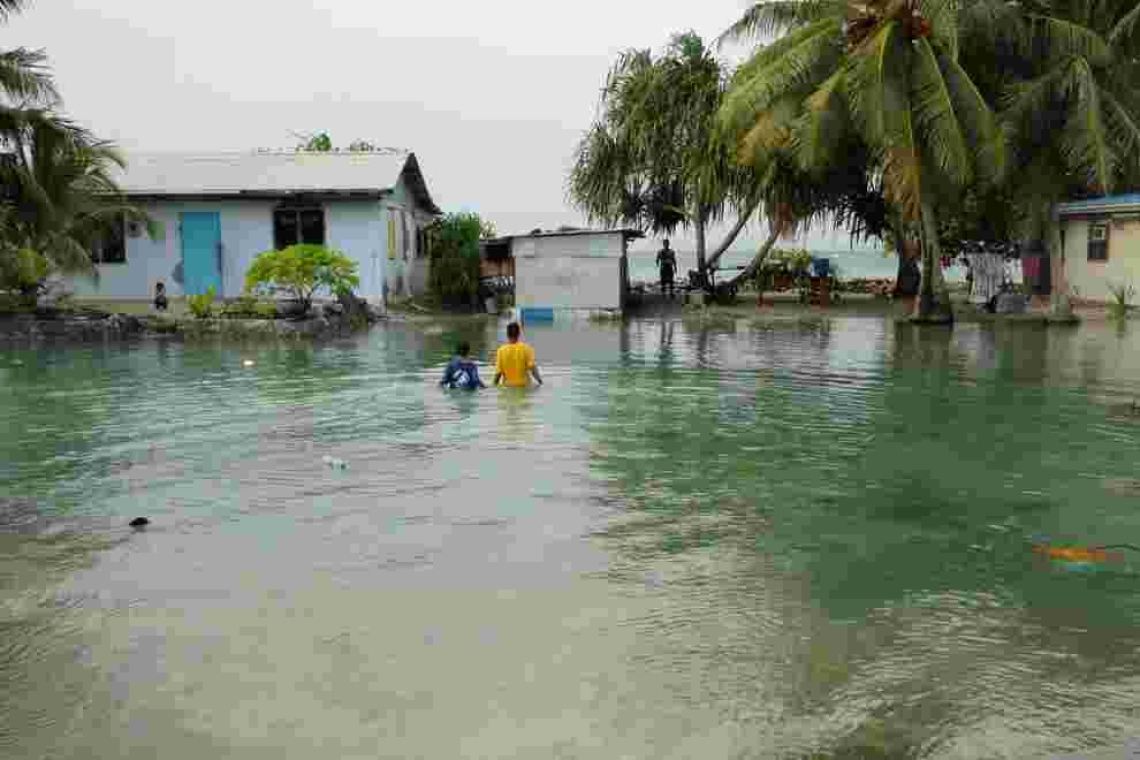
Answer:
(514, 361)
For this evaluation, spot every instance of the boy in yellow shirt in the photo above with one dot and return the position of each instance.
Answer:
(515, 360)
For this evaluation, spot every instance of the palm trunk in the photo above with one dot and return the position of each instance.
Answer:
(933, 299)
(760, 257)
(730, 238)
(702, 267)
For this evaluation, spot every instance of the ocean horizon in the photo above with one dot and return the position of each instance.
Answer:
(849, 264)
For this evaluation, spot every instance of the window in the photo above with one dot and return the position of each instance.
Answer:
(1098, 241)
(111, 245)
(298, 225)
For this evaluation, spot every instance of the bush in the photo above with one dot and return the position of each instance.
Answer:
(202, 306)
(454, 245)
(23, 271)
(302, 271)
(250, 307)
(1122, 296)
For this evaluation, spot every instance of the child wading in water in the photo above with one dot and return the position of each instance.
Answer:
(461, 372)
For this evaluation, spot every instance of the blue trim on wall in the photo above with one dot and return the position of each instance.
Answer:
(537, 314)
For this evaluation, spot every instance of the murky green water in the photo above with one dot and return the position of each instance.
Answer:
(791, 540)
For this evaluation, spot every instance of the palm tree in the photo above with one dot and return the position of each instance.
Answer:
(62, 193)
(24, 76)
(1067, 92)
(652, 159)
(884, 74)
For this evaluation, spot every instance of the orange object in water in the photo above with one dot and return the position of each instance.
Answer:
(1079, 554)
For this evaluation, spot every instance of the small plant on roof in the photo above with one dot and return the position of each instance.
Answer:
(302, 271)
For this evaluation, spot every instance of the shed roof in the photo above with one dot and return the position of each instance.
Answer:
(272, 174)
(1105, 205)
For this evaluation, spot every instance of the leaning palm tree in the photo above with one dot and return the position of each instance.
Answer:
(884, 74)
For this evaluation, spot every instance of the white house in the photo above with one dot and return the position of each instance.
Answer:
(569, 272)
(217, 212)
(1100, 245)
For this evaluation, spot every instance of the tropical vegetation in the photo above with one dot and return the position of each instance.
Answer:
(931, 124)
(302, 271)
(453, 246)
(59, 197)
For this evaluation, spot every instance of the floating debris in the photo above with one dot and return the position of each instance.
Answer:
(139, 522)
(247, 363)
(336, 464)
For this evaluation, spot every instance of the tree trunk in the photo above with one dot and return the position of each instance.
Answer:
(760, 257)
(702, 267)
(933, 299)
(730, 238)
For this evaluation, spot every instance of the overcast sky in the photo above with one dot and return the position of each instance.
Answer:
(492, 96)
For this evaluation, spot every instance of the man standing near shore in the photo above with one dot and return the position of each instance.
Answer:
(667, 263)
(515, 361)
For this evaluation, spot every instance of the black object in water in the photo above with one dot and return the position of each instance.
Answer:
(140, 522)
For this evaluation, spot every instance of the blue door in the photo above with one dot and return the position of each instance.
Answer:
(201, 251)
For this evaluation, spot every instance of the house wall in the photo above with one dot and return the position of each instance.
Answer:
(1090, 280)
(569, 272)
(352, 227)
(408, 267)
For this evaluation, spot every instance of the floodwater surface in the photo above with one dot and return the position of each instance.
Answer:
(806, 538)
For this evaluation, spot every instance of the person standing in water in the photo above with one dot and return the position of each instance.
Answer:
(667, 264)
(514, 361)
(461, 372)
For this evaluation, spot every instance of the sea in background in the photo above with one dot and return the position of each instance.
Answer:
(850, 263)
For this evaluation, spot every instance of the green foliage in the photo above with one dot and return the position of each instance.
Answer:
(793, 261)
(23, 271)
(302, 271)
(454, 245)
(202, 306)
(1122, 297)
(249, 306)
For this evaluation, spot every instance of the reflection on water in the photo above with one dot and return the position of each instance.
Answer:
(799, 538)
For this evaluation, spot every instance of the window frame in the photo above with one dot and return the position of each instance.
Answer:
(1096, 249)
(296, 211)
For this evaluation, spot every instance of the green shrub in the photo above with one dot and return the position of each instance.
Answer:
(250, 307)
(202, 306)
(302, 271)
(454, 246)
(1122, 296)
(23, 271)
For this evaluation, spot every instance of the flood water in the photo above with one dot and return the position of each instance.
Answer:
(781, 540)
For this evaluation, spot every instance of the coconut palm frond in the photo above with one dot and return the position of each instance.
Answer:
(1124, 126)
(1085, 141)
(25, 76)
(943, 18)
(1124, 28)
(936, 119)
(774, 17)
(1055, 38)
(799, 67)
(8, 7)
(824, 122)
(985, 138)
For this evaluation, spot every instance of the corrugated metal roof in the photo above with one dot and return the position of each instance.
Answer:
(1108, 204)
(284, 172)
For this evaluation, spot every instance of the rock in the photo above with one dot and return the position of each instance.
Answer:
(1011, 303)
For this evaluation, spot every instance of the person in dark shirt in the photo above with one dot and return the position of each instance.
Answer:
(160, 302)
(461, 372)
(667, 264)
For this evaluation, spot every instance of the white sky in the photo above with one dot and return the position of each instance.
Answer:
(492, 96)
